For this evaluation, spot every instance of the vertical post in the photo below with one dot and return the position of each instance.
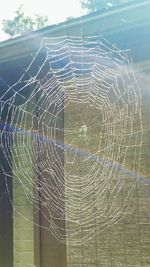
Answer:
(23, 226)
(6, 223)
(53, 252)
(22, 162)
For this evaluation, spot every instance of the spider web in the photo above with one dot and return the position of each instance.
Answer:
(72, 133)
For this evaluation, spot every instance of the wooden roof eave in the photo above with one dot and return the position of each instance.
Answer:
(106, 23)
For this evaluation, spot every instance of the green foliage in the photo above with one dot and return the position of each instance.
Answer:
(40, 21)
(22, 23)
(94, 5)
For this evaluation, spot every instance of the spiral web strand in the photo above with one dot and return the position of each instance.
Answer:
(72, 133)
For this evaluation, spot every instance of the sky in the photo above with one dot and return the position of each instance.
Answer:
(56, 10)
